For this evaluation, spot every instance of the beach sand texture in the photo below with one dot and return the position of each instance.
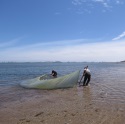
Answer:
(78, 105)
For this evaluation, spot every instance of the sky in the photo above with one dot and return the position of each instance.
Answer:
(62, 30)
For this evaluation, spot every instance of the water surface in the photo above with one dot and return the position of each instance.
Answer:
(108, 79)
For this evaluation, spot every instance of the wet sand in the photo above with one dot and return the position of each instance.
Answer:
(78, 105)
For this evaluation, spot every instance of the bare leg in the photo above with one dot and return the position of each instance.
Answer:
(89, 77)
(84, 82)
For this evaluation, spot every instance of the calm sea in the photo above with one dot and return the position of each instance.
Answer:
(109, 77)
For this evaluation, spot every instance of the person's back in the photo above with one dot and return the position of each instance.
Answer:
(88, 71)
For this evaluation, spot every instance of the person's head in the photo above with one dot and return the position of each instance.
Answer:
(86, 67)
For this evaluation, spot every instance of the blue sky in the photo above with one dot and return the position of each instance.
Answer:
(62, 30)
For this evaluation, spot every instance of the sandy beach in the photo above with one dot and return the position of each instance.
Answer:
(78, 105)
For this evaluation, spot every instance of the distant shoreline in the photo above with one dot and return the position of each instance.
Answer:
(61, 62)
(123, 61)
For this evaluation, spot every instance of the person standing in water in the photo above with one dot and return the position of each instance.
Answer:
(54, 73)
(87, 76)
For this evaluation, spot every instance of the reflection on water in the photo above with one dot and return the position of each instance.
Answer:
(84, 93)
(106, 93)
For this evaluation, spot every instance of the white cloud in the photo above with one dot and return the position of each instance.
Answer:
(77, 2)
(119, 2)
(57, 13)
(9, 43)
(119, 37)
(90, 4)
(103, 51)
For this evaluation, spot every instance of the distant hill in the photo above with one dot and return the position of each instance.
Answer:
(123, 61)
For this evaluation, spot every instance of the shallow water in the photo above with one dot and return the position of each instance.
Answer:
(108, 79)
